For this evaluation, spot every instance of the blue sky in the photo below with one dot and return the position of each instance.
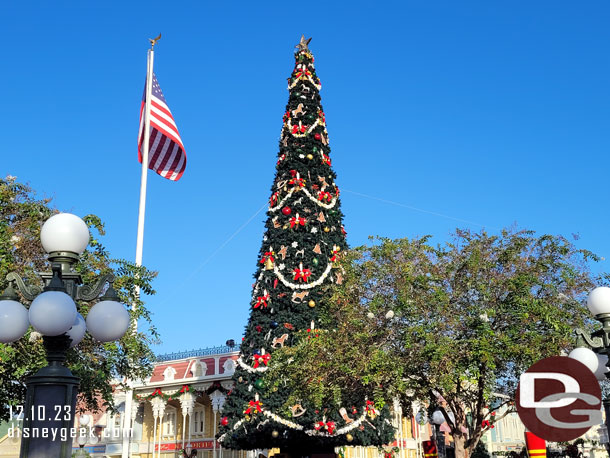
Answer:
(496, 113)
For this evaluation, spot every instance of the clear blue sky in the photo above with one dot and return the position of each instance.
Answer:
(491, 112)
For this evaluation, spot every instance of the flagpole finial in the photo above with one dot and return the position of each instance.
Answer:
(153, 41)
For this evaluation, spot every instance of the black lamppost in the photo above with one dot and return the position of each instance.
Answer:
(51, 393)
(438, 418)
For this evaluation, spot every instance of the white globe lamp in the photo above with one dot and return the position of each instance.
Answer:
(585, 356)
(52, 313)
(64, 232)
(438, 418)
(107, 321)
(600, 373)
(599, 301)
(13, 321)
(84, 419)
(77, 331)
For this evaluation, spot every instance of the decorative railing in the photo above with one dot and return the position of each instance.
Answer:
(195, 353)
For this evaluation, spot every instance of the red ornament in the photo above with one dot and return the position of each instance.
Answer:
(286, 210)
(224, 421)
(317, 136)
(259, 328)
(293, 173)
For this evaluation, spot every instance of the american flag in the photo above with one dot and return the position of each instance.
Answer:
(166, 154)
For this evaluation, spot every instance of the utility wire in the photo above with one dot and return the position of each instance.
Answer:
(410, 207)
(217, 250)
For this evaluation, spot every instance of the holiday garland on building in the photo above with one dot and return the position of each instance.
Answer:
(303, 241)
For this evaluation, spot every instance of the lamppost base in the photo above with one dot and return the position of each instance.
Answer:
(50, 406)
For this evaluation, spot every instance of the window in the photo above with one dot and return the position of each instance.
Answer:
(169, 374)
(169, 422)
(229, 366)
(198, 421)
(199, 369)
(116, 421)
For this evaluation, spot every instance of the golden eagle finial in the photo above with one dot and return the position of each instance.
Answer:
(153, 41)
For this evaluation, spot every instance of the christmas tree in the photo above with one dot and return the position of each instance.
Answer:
(304, 237)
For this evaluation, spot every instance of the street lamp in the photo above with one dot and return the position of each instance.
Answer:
(51, 392)
(592, 349)
(438, 419)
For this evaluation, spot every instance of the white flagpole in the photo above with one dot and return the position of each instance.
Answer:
(127, 420)
(145, 145)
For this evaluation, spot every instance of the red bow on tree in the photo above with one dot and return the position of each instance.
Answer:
(297, 182)
(370, 407)
(296, 221)
(262, 301)
(325, 196)
(300, 127)
(301, 274)
(253, 407)
(329, 426)
(261, 358)
(302, 72)
(268, 255)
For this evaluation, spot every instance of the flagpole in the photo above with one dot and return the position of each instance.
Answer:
(145, 147)
(127, 420)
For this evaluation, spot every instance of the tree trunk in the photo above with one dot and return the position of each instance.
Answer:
(459, 442)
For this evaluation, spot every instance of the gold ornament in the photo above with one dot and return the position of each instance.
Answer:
(310, 156)
(268, 264)
(349, 437)
(327, 229)
(274, 434)
(312, 303)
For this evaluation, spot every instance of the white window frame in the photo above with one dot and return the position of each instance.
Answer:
(168, 422)
(169, 373)
(229, 366)
(199, 409)
(203, 368)
(115, 421)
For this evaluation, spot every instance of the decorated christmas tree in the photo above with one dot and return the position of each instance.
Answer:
(304, 238)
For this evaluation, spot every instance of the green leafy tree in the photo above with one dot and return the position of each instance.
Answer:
(22, 214)
(452, 325)
(303, 240)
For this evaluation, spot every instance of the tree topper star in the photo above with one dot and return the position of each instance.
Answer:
(303, 45)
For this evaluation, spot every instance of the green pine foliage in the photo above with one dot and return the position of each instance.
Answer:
(22, 214)
(303, 240)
